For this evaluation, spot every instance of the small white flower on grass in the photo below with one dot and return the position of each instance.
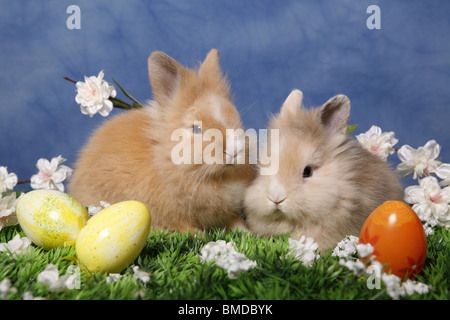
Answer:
(93, 210)
(304, 250)
(50, 277)
(51, 174)
(215, 249)
(8, 210)
(235, 263)
(6, 289)
(357, 266)
(138, 274)
(93, 95)
(420, 162)
(7, 180)
(393, 285)
(378, 142)
(395, 288)
(113, 277)
(16, 246)
(430, 201)
(428, 226)
(421, 288)
(28, 295)
(364, 250)
(346, 248)
(141, 275)
(226, 257)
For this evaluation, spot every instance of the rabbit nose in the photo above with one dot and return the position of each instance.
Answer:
(276, 192)
(277, 200)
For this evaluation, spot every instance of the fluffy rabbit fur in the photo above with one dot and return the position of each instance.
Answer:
(327, 183)
(129, 156)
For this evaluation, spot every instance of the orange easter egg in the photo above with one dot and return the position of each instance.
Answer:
(396, 233)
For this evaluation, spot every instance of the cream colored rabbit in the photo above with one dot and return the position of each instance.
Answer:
(327, 183)
(130, 156)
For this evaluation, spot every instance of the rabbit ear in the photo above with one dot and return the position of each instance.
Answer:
(292, 103)
(335, 114)
(165, 75)
(210, 64)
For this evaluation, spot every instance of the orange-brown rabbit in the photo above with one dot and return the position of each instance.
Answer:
(130, 156)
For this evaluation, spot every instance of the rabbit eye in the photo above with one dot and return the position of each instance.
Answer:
(307, 172)
(197, 129)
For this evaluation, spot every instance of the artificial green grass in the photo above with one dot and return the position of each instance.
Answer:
(176, 272)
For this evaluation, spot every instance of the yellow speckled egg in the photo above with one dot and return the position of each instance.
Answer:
(50, 218)
(113, 238)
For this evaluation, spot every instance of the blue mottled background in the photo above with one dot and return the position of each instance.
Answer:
(397, 77)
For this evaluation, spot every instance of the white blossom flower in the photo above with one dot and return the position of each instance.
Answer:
(7, 210)
(50, 277)
(113, 277)
(213, 249)
(378, 142)
(141, 275)
(235, 263)
(51, 174)
(395, 288)
(93, 210)
(412, 287)
(17, 245)
(93, 95)
(304, 250)
(364, 250)
(393, 285)
(346, 248)
(138, 274)
(226, 257)
(7, 180)
(357, 266)
(430, 201)
(6, 288)
(428, 226)
(420, 162)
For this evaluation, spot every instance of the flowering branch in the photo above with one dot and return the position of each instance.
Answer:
(431, 198)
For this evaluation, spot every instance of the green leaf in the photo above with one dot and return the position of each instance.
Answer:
(119, 104)
(351, 128)
(136, 103)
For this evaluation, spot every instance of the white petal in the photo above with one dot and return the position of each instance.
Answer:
(433, 149)
(430, 185)
(414, 194)
(43, 164)
(106, 109)
(375, 130)
(404, 169)
(443, 172)
(10, 181)
(112, 91)
(406, 153)
(100, 75)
